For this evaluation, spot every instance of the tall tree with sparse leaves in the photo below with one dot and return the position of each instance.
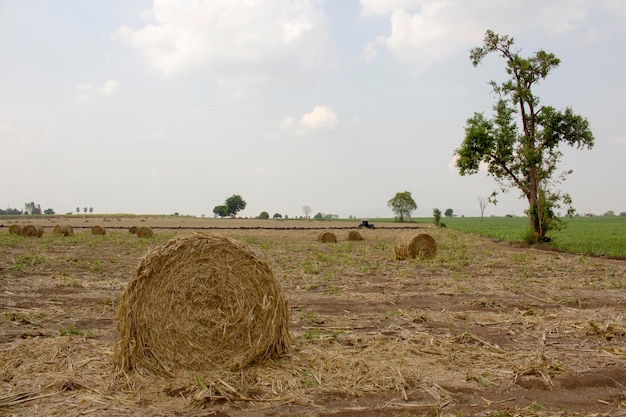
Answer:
(402, 204)
(520, 143)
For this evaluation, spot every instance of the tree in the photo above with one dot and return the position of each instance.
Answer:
(482, 203)
(402, 205)
(449, 212)
(264, 215)
(319, 216)
(523, 157)
(85, 209)
(437, 216)
(277, 216)
(90, 210)
(77, 209)
(48, 211)
(220, 211)
(234, 204)
(307, 211)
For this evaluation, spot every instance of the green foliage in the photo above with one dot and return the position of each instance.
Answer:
(277, 216)
(234, 204)
(264, 215)
(220, 211)
(449, 212)
(402, 205)
(526, 156)
(437, 216)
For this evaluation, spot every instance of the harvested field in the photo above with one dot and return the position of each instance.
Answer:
(484, 328)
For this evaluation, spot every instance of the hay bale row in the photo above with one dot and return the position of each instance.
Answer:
(411, 247)
(330, 237)
(15, 229)
(145, 232)
(32, 230)
(200, 302)
(63, 229)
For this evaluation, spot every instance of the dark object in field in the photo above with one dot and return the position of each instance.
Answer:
(133, 230)
(202, 303)
(32, 230)
(366, 223)
(327, 237)
(411, 247)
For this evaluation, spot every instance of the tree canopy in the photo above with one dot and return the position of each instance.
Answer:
(402, 205)
(520, 143)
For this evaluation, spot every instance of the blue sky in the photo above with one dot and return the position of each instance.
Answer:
(153, 107)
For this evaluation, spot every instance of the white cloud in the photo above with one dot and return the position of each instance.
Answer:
(109, 88)
(86, 92)
(426, 31)
(319, 119)
(240, 43)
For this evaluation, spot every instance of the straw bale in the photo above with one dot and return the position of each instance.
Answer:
(32, 230)
(15, 229)
(144, 231)
(98, 231)
(411, 246)
(63, 229)
(327, 237)
(354, 235)
(133, 230)
(200, 302)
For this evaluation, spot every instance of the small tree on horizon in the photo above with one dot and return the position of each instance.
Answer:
(307, 211)
(402, 204)
(482, 202)
(234, 204)
(449, 212)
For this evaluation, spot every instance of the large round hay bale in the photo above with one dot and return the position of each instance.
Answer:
(133, 230)
(354, 235)
(15, 229)
(32, 230)
(144, 231)
(98, 231)
(327, 237)
(200, 302)
(410, 247)
(63, 229)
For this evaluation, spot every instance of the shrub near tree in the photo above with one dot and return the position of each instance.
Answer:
(523, 157)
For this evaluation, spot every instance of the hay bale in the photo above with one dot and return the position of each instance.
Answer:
(15, 229)
(144, 231)
(327, 237)
(63, 229)
(32, 230)
(354, 235)
(410, 247)
(133, 230)
(200, 302)
(98, 231)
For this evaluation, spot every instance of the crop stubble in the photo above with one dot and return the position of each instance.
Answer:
(483, 327)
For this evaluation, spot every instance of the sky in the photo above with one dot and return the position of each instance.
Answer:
(168, 106)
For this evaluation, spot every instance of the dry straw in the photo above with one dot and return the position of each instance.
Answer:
(98, 231)
(63, 229)
(133, 230)
(354, 235)
(144, 231)
(32, 230)
(200, 302)
(327, 237)
(411, 246)
(15, 229)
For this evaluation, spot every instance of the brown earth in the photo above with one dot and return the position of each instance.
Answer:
(484, 329)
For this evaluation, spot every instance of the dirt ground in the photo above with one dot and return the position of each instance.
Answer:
(484, 329)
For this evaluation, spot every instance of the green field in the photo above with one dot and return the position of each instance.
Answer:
(601, 236)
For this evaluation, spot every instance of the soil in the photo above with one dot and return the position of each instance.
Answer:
(483, 329)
